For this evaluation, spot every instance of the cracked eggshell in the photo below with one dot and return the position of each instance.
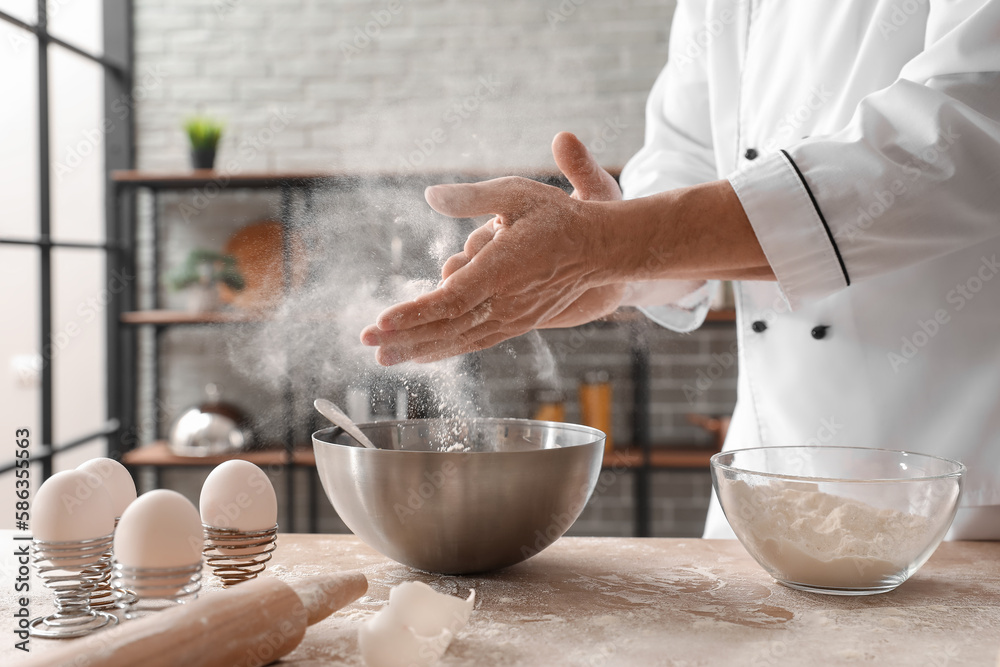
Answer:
(427, 611)
(116, 480)
(415, 628)
(238, 495)
(71, 506)
(161, 529)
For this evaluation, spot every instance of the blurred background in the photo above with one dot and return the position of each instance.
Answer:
(204, 201)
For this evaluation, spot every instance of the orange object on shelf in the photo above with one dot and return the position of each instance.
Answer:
(259, 252)
(551, 407)
(595, 404)
(551, 412)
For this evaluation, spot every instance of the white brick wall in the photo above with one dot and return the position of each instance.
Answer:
(242, 59)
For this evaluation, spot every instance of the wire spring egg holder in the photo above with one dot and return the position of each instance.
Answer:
(105, 596)
(140, 590)
(236, 555)
(73, 570)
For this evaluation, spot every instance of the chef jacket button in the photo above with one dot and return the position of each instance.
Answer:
(751, 154)
(759, 326)
(819, 332)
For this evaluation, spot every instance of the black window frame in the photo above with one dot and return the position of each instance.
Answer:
(119, 153)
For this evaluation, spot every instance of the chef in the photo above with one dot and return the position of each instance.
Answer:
(841, 162)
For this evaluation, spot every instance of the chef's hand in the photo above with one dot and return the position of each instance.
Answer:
(533, 265)
(590, 182)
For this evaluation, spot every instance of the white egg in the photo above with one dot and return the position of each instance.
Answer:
(416, 627)
(161, 529)
(117, 481)
(70, 506)
(237, 495)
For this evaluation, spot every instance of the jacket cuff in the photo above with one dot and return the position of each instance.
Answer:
(685, 315)
(791, 229)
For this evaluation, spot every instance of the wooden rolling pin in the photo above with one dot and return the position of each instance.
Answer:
(249, 625)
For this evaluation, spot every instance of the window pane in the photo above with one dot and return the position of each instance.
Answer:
(19, 387)
(79, 22)
(19, 120)
(76, 94)
(26, 10)
(74, 457)
(79, 304)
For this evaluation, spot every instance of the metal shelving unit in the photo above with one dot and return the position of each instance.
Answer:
(126, 185)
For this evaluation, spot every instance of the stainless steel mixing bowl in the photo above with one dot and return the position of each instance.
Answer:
(517, 487)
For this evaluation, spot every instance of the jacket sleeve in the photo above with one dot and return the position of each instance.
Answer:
(677, 152)
(915, 175)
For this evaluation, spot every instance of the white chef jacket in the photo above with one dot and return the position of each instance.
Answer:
(862, 139)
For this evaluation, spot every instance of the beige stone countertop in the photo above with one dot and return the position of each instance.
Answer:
(611, 601)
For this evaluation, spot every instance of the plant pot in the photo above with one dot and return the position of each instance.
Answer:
(202, 158)
(203, 298)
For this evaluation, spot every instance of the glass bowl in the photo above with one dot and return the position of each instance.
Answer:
(838, 520)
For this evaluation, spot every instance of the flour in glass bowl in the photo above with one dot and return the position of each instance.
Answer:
(823, 540)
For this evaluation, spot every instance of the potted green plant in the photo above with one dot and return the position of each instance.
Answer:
(204, 270)
(204, 134)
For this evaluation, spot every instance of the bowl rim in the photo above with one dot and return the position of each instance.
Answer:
(598, 434)
(958, 473)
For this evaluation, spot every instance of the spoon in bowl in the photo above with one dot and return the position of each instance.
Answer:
(336, 415)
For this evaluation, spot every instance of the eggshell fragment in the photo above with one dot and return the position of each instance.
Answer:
(237, 495)
(71, 506)
(116, 480)
(161, 529)
(416, 627)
